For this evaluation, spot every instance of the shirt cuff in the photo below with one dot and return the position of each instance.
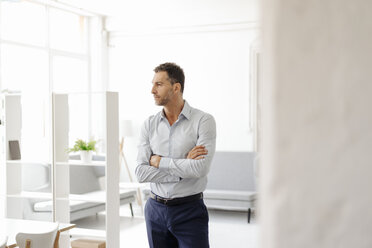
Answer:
(164, 164)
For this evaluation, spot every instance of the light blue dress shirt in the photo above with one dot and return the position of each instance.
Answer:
(176, 176)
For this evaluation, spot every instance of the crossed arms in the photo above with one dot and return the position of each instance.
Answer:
(154, 168)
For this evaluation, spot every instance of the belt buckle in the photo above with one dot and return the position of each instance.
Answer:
(166, 201)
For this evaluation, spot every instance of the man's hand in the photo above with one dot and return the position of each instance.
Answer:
(197, 153)
(155, 161)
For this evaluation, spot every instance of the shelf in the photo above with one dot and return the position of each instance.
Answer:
(85, 232)
(60, 165)
(33, 195)
(80, 163)
(26, 162)
(29, 194)
(98, 198)
(12, 93)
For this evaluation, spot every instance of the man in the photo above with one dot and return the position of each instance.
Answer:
(175, 153)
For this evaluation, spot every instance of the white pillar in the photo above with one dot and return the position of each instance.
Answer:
(316, 176)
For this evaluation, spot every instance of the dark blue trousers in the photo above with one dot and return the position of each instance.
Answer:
(182, 226)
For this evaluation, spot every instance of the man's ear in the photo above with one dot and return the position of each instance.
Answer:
(177, 87)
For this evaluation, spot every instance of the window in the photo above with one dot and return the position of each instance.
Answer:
(67, 31)
(43, 49)
(69, 73)
(25, 70)
(24, 22)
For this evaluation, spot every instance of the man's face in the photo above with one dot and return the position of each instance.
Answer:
(162, 88)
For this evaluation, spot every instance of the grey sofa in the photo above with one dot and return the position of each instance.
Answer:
(231, 182)
(84, 180)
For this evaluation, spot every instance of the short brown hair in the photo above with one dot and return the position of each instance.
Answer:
(175, 73)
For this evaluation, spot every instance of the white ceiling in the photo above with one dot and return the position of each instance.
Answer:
(167, 13)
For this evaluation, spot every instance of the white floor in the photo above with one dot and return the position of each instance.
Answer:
(226, 229)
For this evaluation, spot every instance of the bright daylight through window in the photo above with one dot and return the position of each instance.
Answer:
(38, 58)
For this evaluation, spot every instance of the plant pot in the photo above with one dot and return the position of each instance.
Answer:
(86, 156)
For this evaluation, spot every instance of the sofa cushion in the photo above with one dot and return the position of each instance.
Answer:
(237, 195)
(84, 179)
(232, 171)
(230, 205)
(76, 205)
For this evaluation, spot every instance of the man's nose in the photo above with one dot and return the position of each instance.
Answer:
(153, 90)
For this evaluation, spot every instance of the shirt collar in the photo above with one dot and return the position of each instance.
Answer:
(186, 111)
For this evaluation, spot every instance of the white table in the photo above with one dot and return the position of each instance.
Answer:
(10, 228)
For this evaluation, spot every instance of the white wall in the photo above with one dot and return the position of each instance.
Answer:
(210, 40)
(216, 66)
(316, 173)
(149, 14)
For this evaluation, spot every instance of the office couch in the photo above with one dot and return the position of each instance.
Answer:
(231, 182)
(84, 180)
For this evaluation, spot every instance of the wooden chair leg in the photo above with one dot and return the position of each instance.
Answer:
(28, 243)
(56, 241)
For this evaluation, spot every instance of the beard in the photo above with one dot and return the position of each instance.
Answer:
(162, 101)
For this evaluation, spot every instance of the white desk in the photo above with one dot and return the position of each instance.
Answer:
(10, 228)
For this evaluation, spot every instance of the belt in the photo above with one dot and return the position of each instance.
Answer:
(176, 201)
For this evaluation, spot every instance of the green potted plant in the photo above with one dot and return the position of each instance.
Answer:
(85, 148)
